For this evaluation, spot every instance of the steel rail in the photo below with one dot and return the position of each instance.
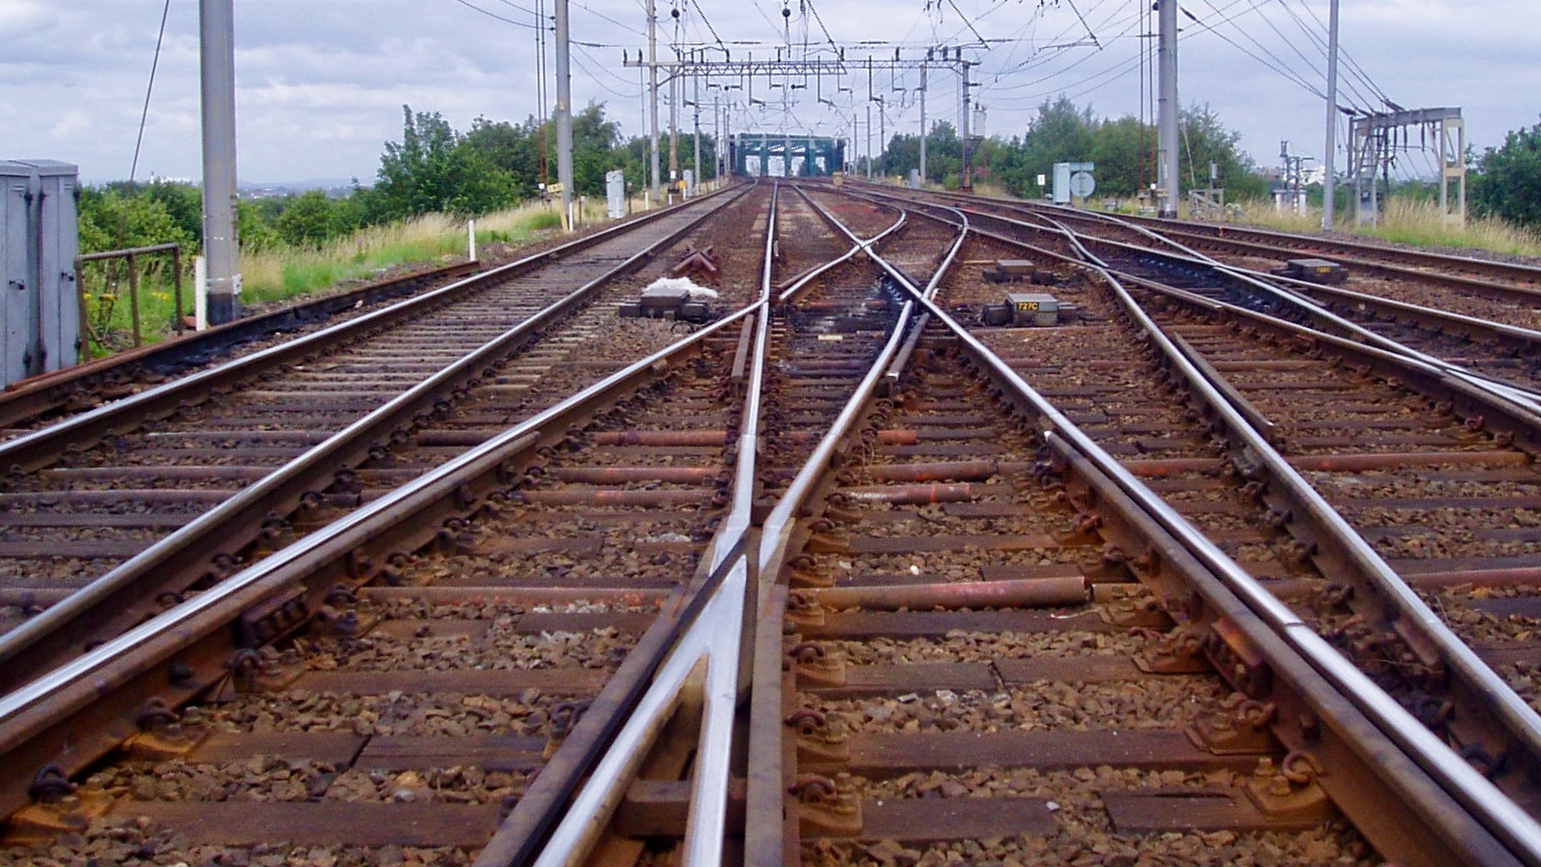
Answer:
(176, 560)
(779, 523)
(1297, 293)
(714, 640)
(1520, 404)
(1260, 283)
(1345, 251)
(804, 281)
(30, 450)
(1292, 292)
(31, 715)
(1518, 718)
(764, 802)
(1501, 817)
(1524, 398)
(31, 398)
(1353, 254)
(1475, 791)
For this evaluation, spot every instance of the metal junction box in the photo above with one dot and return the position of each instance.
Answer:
(39, 239)
(1033, 308)
(1315, 271)
(666, 302)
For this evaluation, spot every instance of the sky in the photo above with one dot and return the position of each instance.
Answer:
(321, 83)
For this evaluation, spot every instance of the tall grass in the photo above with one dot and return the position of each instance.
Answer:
(1258, 212)
(290, 272)
(1409, 221)
(274, 275)
(1421, 223)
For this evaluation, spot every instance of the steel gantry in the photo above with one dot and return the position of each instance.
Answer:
(820, 155)
(1376, 138)
(803, 156)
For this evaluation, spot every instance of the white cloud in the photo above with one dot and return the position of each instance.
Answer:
(321, 85)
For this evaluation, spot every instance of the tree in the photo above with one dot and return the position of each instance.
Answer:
(111, 220)
(255, 231)
(594, 143)
(1123, 154)
(184, 204)
(430, 171)
(308, 220)
(514, 149)
(1206, 141)
(1508, 182)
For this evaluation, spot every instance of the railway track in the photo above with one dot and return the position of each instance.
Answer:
(910, 733)
(423, 706)
(168, 491)
(27, 405)
(1372, 444)
(1043, 595)
(621, 507)
(1477, 316)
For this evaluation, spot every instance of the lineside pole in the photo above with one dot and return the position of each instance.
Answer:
(652, 77)
(1329, 191)
(674, 129)
(922, 124)
(564, 116)
(696, 106)
(221, 239)
(1169, 173)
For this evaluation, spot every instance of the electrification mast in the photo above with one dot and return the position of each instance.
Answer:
(1166, 164)
(221, 240)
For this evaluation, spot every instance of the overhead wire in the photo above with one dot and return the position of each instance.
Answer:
(598, 14)
(708, 23)
(144, 114)
(1355, 77)
(1274, 63)
(1353, 65)
(603, 86)
(490, 14)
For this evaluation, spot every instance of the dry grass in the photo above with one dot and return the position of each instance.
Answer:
(289, 272)
(1408, 221)
(271, 275)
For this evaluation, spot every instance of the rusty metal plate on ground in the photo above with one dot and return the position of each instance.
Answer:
(232, 823)
(926, 820)
(568, 681)
(864, 680)
(896, 624)
(1147, 812)
(889, 754)
(334, 748)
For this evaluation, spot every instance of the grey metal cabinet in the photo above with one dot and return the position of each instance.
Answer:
(39, 239)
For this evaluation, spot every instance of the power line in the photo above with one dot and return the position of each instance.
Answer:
(598, 14)
(1277, 65)
(708, 23)
(498, 17)
(144, 115)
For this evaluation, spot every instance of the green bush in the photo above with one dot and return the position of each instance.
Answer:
(546, 220)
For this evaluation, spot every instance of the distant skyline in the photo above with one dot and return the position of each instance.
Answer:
(320, 86)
